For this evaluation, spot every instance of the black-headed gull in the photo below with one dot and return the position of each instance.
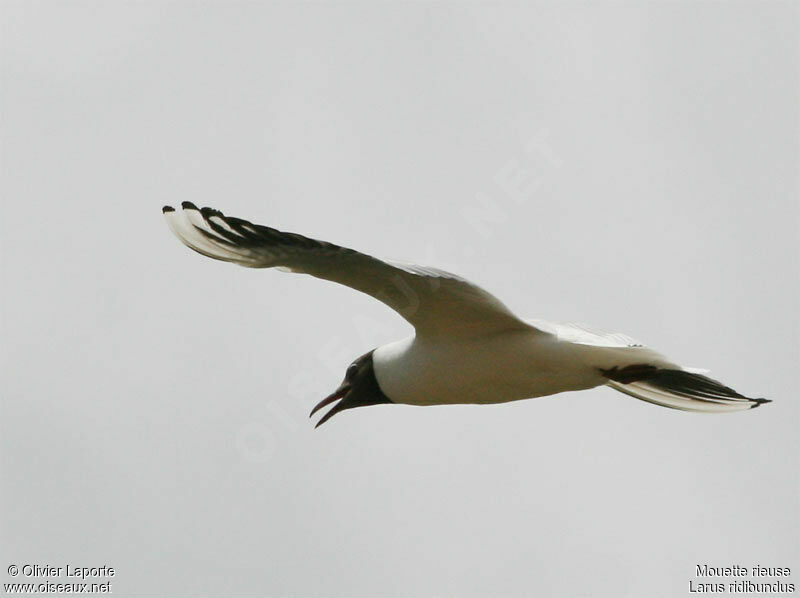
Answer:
(468, 347)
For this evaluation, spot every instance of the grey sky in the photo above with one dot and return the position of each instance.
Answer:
(154, 403)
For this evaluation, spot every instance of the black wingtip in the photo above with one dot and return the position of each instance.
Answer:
(209, 212)
(188, 205)
(759, 402)
(167, 209)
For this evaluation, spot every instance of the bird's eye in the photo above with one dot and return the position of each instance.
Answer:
(351, 371)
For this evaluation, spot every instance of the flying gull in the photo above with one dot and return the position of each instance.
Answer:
(467, 347)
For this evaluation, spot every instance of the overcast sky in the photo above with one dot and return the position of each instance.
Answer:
(629, 165)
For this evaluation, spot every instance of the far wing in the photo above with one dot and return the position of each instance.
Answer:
(433, 301)
(581, 334)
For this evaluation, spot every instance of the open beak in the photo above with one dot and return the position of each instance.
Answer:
(338, 394)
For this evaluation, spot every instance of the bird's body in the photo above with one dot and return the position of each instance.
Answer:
(468, 347)
(509, 366)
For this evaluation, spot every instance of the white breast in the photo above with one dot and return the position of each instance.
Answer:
(495, 369)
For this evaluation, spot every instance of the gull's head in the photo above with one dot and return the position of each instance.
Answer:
(358, 389)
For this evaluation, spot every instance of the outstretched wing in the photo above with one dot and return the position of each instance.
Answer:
(433, 301)
(641, 372)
